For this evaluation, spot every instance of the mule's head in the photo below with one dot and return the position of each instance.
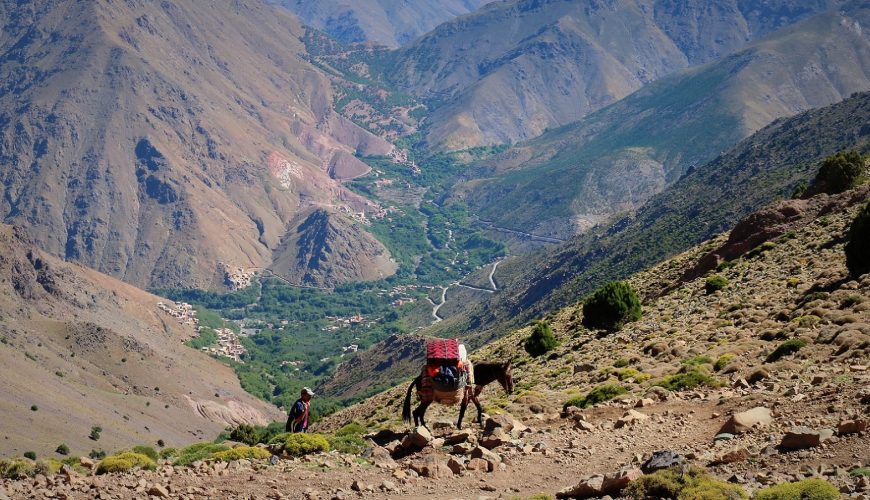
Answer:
(506, 378)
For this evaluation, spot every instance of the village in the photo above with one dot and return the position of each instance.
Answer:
(183, 312)
(228, 346)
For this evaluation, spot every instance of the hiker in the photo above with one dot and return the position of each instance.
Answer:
(298, 419)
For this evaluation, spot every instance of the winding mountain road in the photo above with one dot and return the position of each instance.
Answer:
(437, 307)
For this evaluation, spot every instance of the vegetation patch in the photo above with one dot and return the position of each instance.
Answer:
(694, 485)
(788, 347)
(611, 307)
(839, 172)
(125, 462)
(16, 468)
(858, 248)
(240, 453)
(723, 361)
(542, 340)
(687, 380)
(147, 451)
(197, 452)
(715, 283)
(597, 395)
(299, 444)
(815, 489)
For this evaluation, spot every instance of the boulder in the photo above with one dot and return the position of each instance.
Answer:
(496, 438)
(587, 488)
(618, 481)
(801, 438)
(851, 427)
(456, 438)
(432, 467)
(582, 425)
(420, 437)
(506, 422)
(661, 460)
(481, 452)
(480, 464)
(743, 421)
(158, 491)
(630, 417)
(732, 457)
(455, 465)
(644, 403)
(758, 375)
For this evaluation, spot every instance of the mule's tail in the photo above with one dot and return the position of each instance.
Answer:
(406, 408)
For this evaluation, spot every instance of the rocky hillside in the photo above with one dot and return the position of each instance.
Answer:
(152, 141)
(79, 349)
(327, 249)
(511, 71)
(578, 176)
(387, 22)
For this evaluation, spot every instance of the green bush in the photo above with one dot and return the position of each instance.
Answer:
(97, 454)
(858, 246)
(839, 172)
(715, 283)
(30, 454)
(352, 429)
(697, 361)
(790, 346)
(598, 394)
(350, 444)
(809, 489)
(95, 433)
(298, 444)
(167, 453)
(197, 452)
(611, 307)
(541, 341)
(687, 380)
(62, 449)
(723, 361)
(245, 433)
(694, 485)
(16, 468)
(147, 451)
(125, 462)
(860, 471)
(241, 452)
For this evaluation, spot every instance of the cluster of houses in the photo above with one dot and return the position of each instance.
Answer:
(228, 345)
(183, 312)
(238, 278)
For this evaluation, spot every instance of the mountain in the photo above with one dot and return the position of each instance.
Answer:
(152, 141)
(386, 22)
(327, 249)
(516, 68)
(80, 349)
(706, 201)
(580, 175)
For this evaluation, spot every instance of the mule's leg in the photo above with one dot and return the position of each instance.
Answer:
(477, 391)
(462, 408)
(420, 415)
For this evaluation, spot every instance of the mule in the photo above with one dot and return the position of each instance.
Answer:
(484, 374)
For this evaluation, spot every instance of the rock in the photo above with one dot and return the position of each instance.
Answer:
(388, 486)
(431, 467)
(644, 403)
(732, 457)
(758, 375)
(616, 482)
(630, 417)
(480, 464)
(583, 368)
(724, 436)
(851, 427)
(87, 463)
(743, 421)
(357, 486)
(506, 422)
(456, 438)
(455, 465)
(661, 460)
(801, 438)
(481, 452)
(158, 491)
(658, 394)
(496, 438)
(582, 425)
(587, 488)
(420, 437)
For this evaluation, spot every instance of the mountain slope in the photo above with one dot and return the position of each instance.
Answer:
(613, 160)
(151, 141)
(388, 22)
(80, 349)
(519, 67)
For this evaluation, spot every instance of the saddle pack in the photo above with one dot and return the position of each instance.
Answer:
(447, 370)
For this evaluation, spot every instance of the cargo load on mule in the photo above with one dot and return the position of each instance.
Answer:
(447, 372)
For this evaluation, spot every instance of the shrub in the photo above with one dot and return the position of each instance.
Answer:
(95, 433)
(147, 451)
(62, 449)
(694, 485)
(352, 429)
(16, 468)
(790, 346)
(97, 454)
(858, 247)
(30, 454)
(799, 191)
(541, 341)
(687, 380)
(34, 408)
(350, 444)
(168, 453)
(839, 172)
(125, 462)
(301, 444)
(611, 307)
(715, 283)
(598, 394)
(197, 452)
(620, 363)
(860, 471)
(245, 433)
(723, 361)
(811, 489)
(697, 360)
(241, 452)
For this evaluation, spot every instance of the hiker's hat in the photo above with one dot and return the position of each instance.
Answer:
(308, 391)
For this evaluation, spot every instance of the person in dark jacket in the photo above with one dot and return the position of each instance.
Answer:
(300, 412)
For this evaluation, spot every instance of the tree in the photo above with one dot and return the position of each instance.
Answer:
(611, 306)
(839, 172)
(541, 341)
(858, 247)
